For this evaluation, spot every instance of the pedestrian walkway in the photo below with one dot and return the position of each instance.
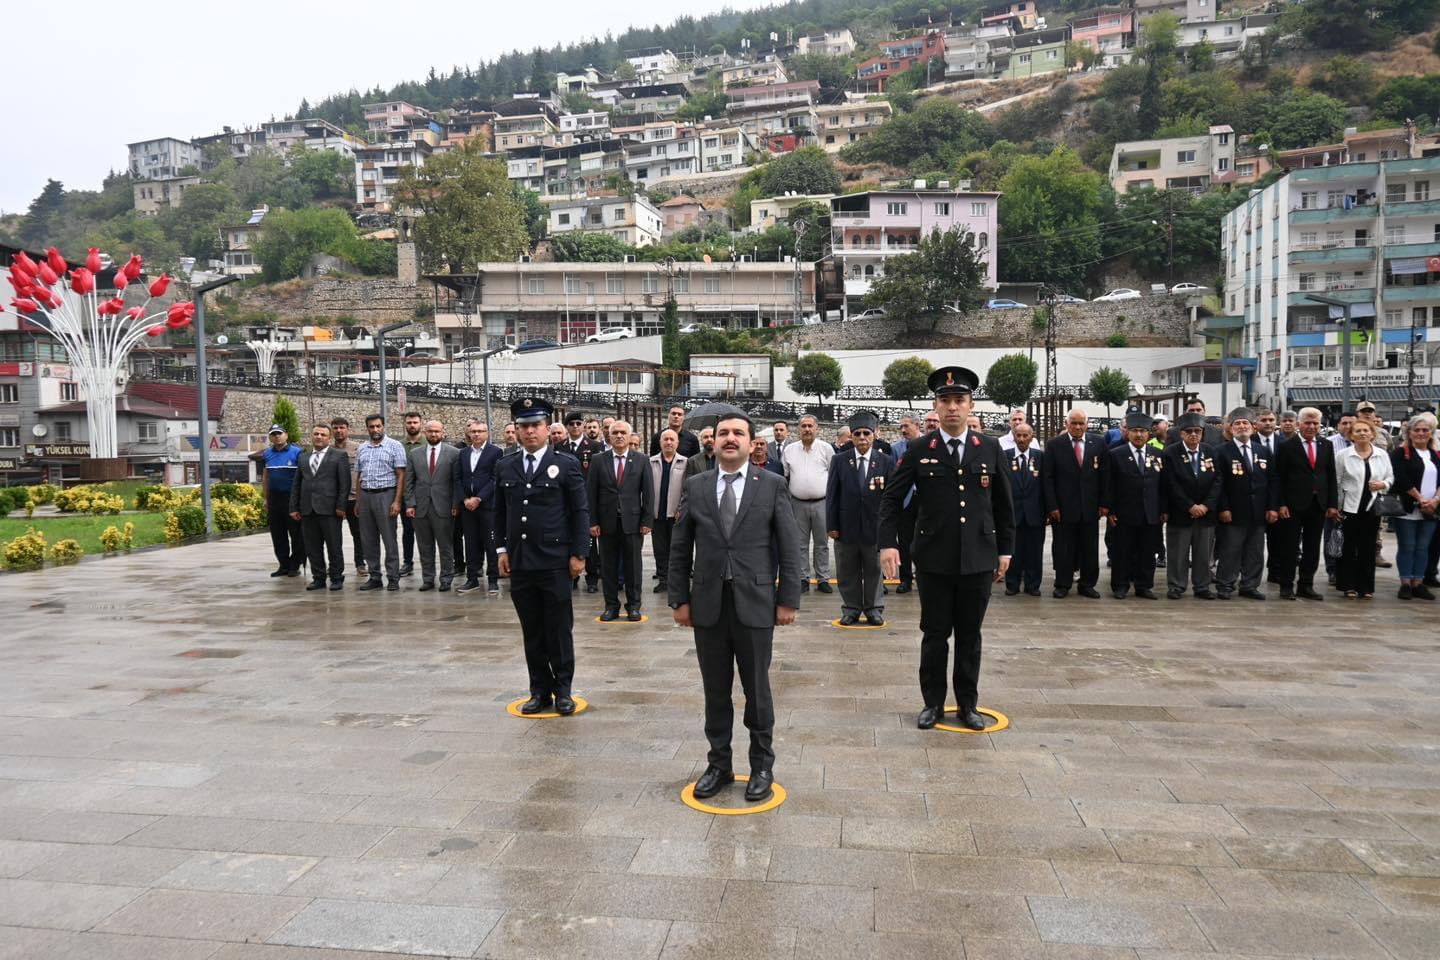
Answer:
(199, 761)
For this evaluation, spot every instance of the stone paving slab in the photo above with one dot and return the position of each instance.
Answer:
(276, 775)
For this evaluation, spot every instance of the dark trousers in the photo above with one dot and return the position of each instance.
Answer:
(907, 537)
(1273, 538)
(660, 545)
(1434, 560)
(322, 534)
(720, 649)
(620, 557)
(1356, 567)
(1299, 537)
(479, 527)
(592, 562)
(951, 603)
(1076, 547)
(1028, 559)
(1241, 552)
(542, 603)
(407, 525)
(352, 520)
(1134, 561)
(285, 533)
(457, 542)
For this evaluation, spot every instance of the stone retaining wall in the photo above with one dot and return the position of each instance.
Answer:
(373, 301)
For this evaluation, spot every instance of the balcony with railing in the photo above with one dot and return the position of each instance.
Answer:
(1350, 250)
(1367, 210)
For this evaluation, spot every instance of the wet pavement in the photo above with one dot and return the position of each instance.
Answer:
(197, 761)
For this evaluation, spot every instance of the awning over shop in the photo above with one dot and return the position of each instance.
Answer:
(1387, 394)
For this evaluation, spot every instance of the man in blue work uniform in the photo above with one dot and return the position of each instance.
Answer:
(542, 534)
(282, 459)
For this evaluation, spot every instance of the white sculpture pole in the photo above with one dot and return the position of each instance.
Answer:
(265, 351)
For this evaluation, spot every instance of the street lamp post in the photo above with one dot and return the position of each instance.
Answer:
(380, 349)
(1224, 339)
(202, 396)
(1345, 306)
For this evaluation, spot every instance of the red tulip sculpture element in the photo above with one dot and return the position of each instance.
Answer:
(97, 332)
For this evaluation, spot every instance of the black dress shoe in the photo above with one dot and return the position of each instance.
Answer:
(315, 585)
(293, 573)
(282, 572)
(444, 586)
(969, 718)
(1252, 594)
(338, 585)
(564, 704)
(661, 587)
(824, 587)
(1011, 591)
(1307, 593)
(903, 588)
(849, 620)
(804, 586)
(1204, 595)
(1287, 594)
(711, 781)
(1090, 592)
(494, 586)
(1032, 591)
(407, 569)
(1430, 582)
(759, 787)
(875, 620)
(610, 614)
(633, 616)
(929, 717)
(1146, 595)
(1174, 594)
(591, 588)
(371, 585)
(1120, 594)
(393, 585)
(535, 705)
(427, 585)
(1221, 595)
(469, 586)
(1060, 593)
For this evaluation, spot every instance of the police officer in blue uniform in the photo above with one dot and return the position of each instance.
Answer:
(964, 531)
(542, 532)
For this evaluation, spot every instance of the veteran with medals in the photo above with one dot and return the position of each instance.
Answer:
(852, 503)
(964, 530)
(1135, 501)
(542, 533)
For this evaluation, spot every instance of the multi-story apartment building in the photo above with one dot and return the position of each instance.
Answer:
(765, 212)
(723, 146)
(570, 170)
(162, 159)
(660, 151)
(581, 81)
(392, 116)
(633, 220)
(869, 228)
(831, 43)
(842, 124)
(461, 126)
(1227, 36)
(592, 125)
(1193, 164)
(1365, 231)
(780, 108)
(238, 241)
(759, 73)
(1186, 11)
(570, 301)
(377, 170)
(897, 56)
(1031, 54)
(153, 196)
(525, 123)
(1022, 11)
(1108, 30)
(970, 50)
(314, 133)
(653, 64)
(682, 212)
(649, 102)
(236, 144)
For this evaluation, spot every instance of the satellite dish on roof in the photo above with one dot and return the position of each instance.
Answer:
(222, 340)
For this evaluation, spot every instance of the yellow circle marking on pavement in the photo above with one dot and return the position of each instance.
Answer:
(1001, 722)
(856, 626)
(644, 618)
(581, 705)
(777, 797)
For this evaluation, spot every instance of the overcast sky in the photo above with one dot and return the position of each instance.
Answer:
(185, 70)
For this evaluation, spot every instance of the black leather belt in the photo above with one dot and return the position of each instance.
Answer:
(377, 489)
(812, 500)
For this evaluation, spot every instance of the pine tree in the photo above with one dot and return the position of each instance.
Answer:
(41, 221)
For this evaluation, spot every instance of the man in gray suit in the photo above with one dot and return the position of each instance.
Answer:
(318, 500)
(735, 522)
(430, 503)
(705, 459)
(622, 505)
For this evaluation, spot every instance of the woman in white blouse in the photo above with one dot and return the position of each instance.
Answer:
(1417, 474)
(1364, 472)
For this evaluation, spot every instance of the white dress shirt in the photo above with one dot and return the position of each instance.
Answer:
(739, 484)
(475, 453)
(808, 470)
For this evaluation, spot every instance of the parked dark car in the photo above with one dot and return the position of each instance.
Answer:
(539, 343)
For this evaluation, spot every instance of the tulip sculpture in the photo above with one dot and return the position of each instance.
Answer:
(98, 332)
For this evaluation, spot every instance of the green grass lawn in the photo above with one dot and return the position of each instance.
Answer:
(149, 529)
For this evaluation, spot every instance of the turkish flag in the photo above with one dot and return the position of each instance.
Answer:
(1432, 264)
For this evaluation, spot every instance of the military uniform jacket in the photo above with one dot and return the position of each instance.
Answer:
(1134, 497)
(965, 518)
(1025, 487)
(544, 521)
(1075, 489)
(1245, 489)
(1184, 489)
(583, 450)
(852, 502)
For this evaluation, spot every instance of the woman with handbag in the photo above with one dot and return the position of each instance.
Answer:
(1416, 465)
(1364, 473)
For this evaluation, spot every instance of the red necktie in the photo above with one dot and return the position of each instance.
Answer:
(1310, 452)
(1080, 453)
(432, 461)
(619, 472)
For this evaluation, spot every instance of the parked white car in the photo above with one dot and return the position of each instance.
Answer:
(1188, 289)
(1120, 293)
(874, 313)
(610, 333)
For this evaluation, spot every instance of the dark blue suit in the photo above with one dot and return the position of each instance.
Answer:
(478, 525)
(852, 508)
(1133, 497)
(543, 521)
(1029, 497)
(1247, 492)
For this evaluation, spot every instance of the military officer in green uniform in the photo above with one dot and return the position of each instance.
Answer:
(964, 530)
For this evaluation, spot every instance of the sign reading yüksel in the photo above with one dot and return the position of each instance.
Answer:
(45, 451)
